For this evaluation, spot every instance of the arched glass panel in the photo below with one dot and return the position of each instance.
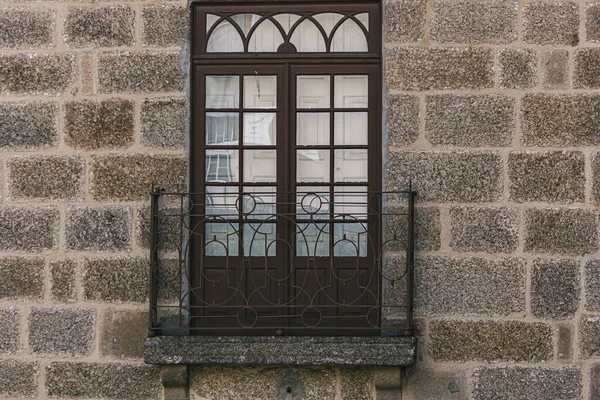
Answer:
(364, 19)
(245, 21)
(349, 37)
(210, 20)
(287, 21)
(266, 38)
(307, 38)
(225, 39)
(328, 20)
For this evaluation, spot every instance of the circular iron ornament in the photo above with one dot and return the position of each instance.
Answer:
(251, 316)
(312, 207)
(373, 316)
(304, 316)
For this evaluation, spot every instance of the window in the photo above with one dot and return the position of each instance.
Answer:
(286, 153)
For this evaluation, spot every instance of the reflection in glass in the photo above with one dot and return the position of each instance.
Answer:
(222, 166)
(222, 91)
(349, 37)
(351, 165)
(222, 200)
(328, 20)
(259, 239)
(312, 91)
(245, 21)
(222, 239)
(312, 240)
(307, 38)
(266, 38)
(351, 128)
(260, 165)
(287, 21)
(260, 91)
(222, 128)
(225, 39)
(312, 202)
(259, 202)
(351, 202)
(364, 19)
(350, 239)
(312, 128)
(351, 91)
(210, 20)
(312, 165)
(259, 129)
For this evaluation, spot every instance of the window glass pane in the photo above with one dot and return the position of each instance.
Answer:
(225, 39)
(312, 128)
(350, 201)
(312, 202)
(222, 166)
(222, 128)
(313, 91)
(260, 165)
(312, 165)
(350, 239)
(266, 38)
(260, 91)
(287, 21)
(210, 20)
(351, 128)
(312, 240)
(351, 165)
(259, 239)
(351, 91)
(259, 202)
(259, 129)
(307, 38)
(349, 37)
(222, 200)
(328, 20)
(364, 19)
(222, 239)
(222, 91)
(245, 21)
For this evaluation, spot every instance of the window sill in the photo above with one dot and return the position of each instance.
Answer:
(275, 350)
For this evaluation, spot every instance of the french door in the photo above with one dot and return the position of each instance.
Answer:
(286, 164)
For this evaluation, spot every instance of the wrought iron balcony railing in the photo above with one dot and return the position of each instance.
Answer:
(271, 263)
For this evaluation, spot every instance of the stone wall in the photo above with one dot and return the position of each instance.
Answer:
(493, 111)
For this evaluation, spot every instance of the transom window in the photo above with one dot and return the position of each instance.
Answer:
(286, 147)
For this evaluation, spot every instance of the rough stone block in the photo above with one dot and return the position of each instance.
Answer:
(592, 22)
(435, 383)
(540, 383)
(356, 383)
(564, 344)
(592, 285)
(21, 277)
(36, 74)
(169, 228)
(130, 177)
(554, 288)
(61, 331)
(518, 68)
(595, 381)
(28, 125)
(11, 337)
(99, 228)
(121, 72)
(474, 22)
(439, 68)
(551, 22)
(427, 228)
(122, 334)
(165, 25)
(404, 20)
(106, 380)
(561, 231)
(552, 177)
(555, 69)
(28, 228)
(108, 26)
(489, 341)
(491, 230)
(589, 332)
(587, 69)
(470, 120)
(62, 274)
(469, 176)
(18, 378)
(46, 177)
(403, 119)
(26, 27)
(596, 178)
(116, 279)
(469, 286)
(561, 120)
(92, 125)
(164, 122)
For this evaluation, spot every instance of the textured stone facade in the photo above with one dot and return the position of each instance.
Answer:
(492, 110)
